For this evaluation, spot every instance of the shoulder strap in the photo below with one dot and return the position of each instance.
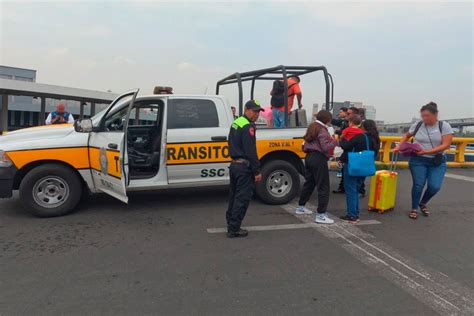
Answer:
(440, 124)
(367, 141)
(417, 128)
(240, 122)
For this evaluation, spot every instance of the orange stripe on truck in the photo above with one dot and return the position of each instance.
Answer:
(77, 157)
(218, 152)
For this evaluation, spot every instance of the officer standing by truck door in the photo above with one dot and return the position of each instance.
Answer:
(244, 168)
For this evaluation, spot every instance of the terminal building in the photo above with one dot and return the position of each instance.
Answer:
(26, 103)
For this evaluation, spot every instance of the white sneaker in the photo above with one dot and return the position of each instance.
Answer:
(301, 210)
(323, 219)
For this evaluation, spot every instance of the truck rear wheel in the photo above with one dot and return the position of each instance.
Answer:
(280, 182)
(50, 190)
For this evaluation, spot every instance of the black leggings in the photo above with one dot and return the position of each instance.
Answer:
(316, 176)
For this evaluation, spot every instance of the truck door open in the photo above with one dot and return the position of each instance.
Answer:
(108, 148)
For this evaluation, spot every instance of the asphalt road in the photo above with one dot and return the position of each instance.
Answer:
(155, 256)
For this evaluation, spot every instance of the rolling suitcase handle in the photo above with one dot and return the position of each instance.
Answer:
(393, 162)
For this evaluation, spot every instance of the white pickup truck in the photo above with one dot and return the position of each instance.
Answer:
(140, 143)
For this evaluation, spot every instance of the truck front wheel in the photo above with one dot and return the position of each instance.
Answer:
(280, 182)
(50, 190)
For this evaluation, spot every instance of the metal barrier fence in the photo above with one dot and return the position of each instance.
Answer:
(459, 152)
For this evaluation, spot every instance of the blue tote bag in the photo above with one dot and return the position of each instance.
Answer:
(362, 164)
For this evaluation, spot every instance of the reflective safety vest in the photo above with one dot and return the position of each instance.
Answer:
(240, 122)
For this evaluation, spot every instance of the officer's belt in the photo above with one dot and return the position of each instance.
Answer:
(242, 161)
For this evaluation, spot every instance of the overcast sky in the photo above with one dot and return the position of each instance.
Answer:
(396, 56)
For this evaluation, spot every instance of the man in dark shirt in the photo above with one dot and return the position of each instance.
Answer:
(341, 121)
(244, 168)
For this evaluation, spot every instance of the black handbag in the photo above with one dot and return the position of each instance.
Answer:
(438, 159)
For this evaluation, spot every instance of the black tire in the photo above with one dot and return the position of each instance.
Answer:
(268, 192)
(61, 179)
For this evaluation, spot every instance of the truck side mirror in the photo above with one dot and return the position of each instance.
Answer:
(83, 126)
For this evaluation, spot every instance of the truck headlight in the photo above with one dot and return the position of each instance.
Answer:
(5, 161)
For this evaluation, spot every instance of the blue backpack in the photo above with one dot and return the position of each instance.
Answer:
(362, 164)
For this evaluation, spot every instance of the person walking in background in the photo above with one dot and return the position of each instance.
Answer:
(352, 111)
(362, 114)
(244, 170)
(234, 112)
(60, 116)
(355, 140)
(429, 166)
(278, 99)
(318, 144)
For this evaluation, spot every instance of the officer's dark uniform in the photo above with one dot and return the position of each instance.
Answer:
(243, 169)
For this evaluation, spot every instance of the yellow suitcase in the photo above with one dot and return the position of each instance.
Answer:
(383, 188)
(383, 191)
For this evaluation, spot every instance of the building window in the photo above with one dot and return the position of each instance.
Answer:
(20, 78)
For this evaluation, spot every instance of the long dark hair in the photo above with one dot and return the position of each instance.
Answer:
(370, 129)
(314, 128)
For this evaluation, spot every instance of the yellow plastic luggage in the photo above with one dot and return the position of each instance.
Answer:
(383, 190)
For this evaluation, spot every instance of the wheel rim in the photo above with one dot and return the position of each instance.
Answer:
(50, 192)
(279, 183)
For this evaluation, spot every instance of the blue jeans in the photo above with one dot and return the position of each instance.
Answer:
(278, 118)
(352, 186)
(422, 172)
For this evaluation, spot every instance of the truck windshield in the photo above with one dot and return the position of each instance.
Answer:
(115, 108)
(96, 118)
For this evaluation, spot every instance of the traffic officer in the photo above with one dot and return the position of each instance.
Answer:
(244, 168)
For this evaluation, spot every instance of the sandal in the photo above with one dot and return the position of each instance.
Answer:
(413, 214)
(424, 210)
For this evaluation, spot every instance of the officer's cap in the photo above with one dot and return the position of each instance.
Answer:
(253, 105)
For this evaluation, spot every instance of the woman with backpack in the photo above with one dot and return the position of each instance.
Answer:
(278, 99)
(428, 167)
(357, 140)
(318, 145)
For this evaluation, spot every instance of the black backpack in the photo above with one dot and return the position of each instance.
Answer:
(278, 94)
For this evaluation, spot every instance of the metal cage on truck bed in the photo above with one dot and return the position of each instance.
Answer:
(278, 73)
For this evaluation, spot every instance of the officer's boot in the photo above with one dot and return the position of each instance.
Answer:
(237, 234)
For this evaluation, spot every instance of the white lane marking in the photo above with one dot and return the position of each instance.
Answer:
(263, 228)
(459, 177)
(285, 226)
(407, 278)
(429, 286)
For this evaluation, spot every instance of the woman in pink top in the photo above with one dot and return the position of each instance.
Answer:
(318, 144)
